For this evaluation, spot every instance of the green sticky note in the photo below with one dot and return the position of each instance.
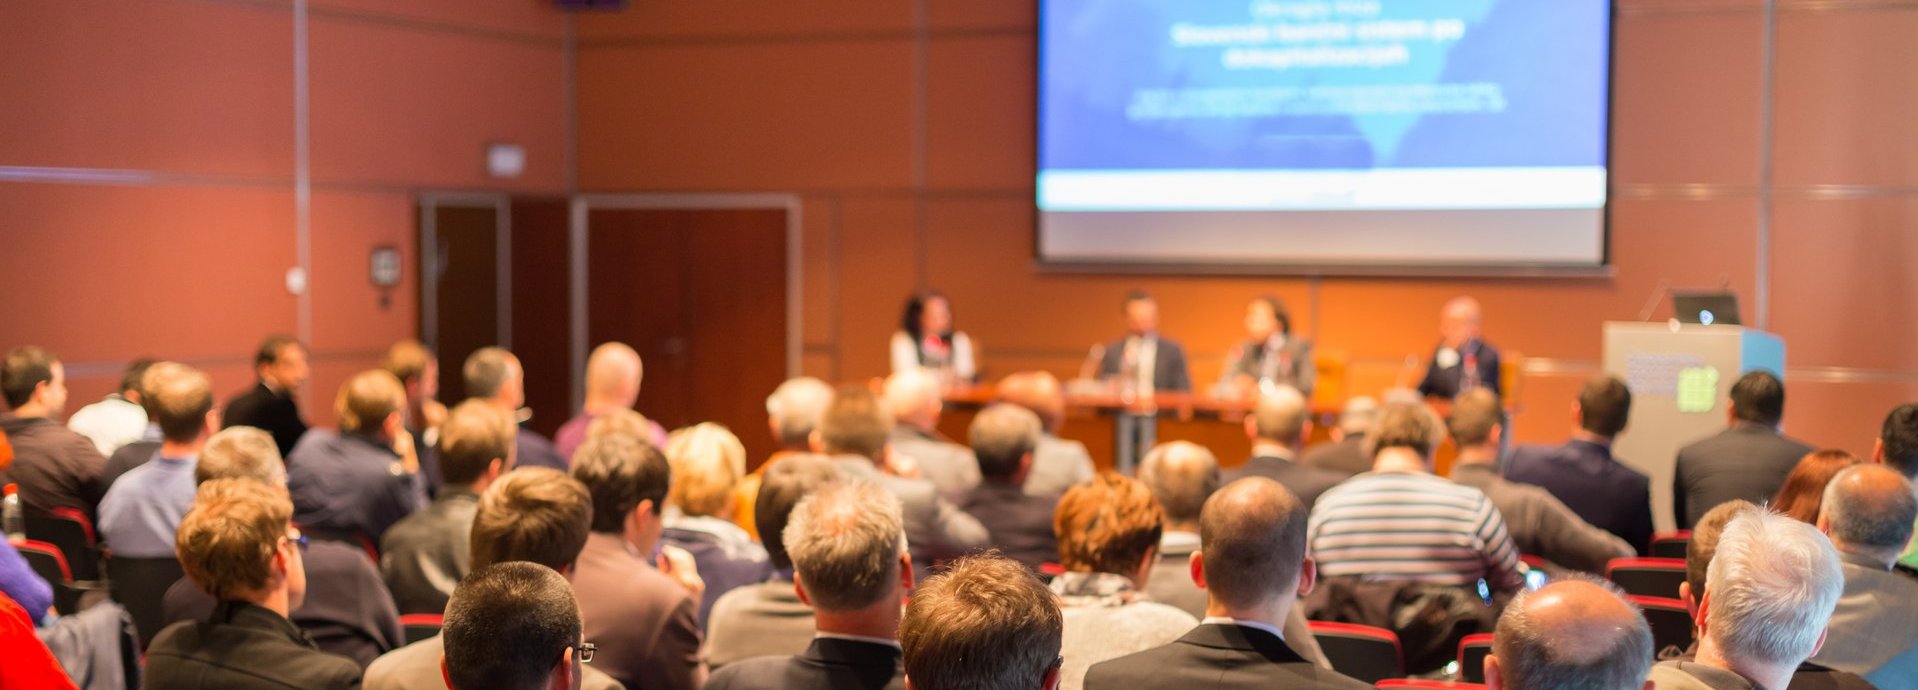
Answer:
(1697, 389)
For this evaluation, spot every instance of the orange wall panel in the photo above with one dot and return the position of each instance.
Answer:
(876, 263)
(980, 112)
(349, 314)
(1845, 102)
(1687, 98)
(739, 19)
(1842, 274)
(538, 18)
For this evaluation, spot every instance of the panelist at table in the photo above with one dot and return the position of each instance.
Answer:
(1144, 357)
(925, 339)
(1270, 355)
(1463, 360)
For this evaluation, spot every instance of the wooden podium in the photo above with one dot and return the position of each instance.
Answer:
(1681, 377)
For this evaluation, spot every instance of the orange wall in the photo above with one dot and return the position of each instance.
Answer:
(188, 108)
(907, 127)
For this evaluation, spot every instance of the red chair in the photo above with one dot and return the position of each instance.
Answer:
(51, 565)
(1472, 651)
(1650, 577)
(1430, 684)
(1360, 651)
(421, 626)
(1671, 544)
(70, 531)
(1671, 623)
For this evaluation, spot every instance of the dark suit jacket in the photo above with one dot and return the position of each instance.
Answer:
(829, 664)
(1444, 382)
(1346, 457)
(425, 555)
(1216, 656)
(242, 647)
(125, 459)
(1168, 366)
(1017, 524)
(1304, 481)
(1584, 476)
(347, 611)
(1747, 461)
(1300, 371)
(261, 408)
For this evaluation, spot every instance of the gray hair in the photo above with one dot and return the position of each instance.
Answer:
(1181, 475)
(1870, 512)
(910, 391)
(1571, 653)
(845, 540)
(1281, 415)
(241, 452)
(1772, 585)
(796, 406)
(487, 370)
(1001, 435)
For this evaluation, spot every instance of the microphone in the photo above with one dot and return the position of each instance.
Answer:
(1658, 297)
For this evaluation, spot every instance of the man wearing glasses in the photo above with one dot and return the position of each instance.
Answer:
(513, 626)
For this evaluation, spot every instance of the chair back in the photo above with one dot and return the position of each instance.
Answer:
(140, 585)
(1671, 544)
(421, 626)
(51, 565)
(1650, 577)
(71, 532)
(1671, 624)
(1471, 657)
(1361, 651)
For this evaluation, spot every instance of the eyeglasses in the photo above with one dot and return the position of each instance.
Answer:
(298, 538)
(586, 650)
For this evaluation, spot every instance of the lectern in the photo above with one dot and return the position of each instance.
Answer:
(1681, 377)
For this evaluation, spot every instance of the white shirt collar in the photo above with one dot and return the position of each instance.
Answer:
(857, 638)
(1256, 625)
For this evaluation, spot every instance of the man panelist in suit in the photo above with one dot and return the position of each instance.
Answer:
(1748, 461)
(1463, 360)
(1143, 360)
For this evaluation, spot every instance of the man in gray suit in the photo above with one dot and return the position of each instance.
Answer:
(1058, 464)
(1345, 454)
(853, 431)
(1278, 426)
(1747, 461)
(1868, 512)
(1144, 359)
(913, 397)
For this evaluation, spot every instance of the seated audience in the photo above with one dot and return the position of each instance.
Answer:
(1868, 514)
(850, 564)
(347, 610)
(613, 375)
(1278, 425)
(513, 626)
(1181, 475)
(1462, 360)
(352, 485)
(424, 556)
(494, 375)
(986, 622)
(853, 432)
(55, 467)
(1108, 533)
(792, 412)
(707, 461)
(140, 451)
(643, 616)
(1747, 461)
(537, 515)
(1584, 475)
(1803, 492)
(925, 340)
(1252, 566)
(271, 404)
(418, 370)
(1004, 437)
(1770, 589)
(914, 399)
(29, 663)
(1270, 355)
(1575, 633)
(1345, 454)
(769, 619)
(1897, 448)
(239, 546)
(1058, 464)
(118, 419)
(142, 511)
(1539, 524)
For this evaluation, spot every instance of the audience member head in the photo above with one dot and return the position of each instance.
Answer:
(1572, 633)
(1181, 475)
(493, 374)
(238, 543)
(1281, 416)
(1265, 317)
(241, 452)
(1003, 437)
(913, 397)
(181, 403)
(927, 313)
(281, 362)
(1110, 525)
(1459, 321)
(1758, 397)
(1038, 391)
(986, 623)
(1405, 429)
(512, 626)
(33, 382)
(707, 462)
(133, 380)
(372, 402)
(1799, 497)
(848, 549)
(620, 421)
(1141, 313)
(1603, 406)
(855, 423)
(1251, 555)
(416, 367)
(613, 375)
(1897, 440)
(628, 479)
(533, 514)
(1476, 422)
(780, 489)
(1356, 417)
(1869, 511)
(1703, 545)
(794, 409)
(1770, 591)
(477, 444)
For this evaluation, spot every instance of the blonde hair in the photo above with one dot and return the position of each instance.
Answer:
(226, 541)
(707, 462)
(367, 399)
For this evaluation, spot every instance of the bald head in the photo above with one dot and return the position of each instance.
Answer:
(1181, 475)
(1868, 510)
(612, 376)
(1038, 391)
(1459, 321)
(1280, 416)
(913, 397)
(1252, 542)
(794, 408)
(1572, 633)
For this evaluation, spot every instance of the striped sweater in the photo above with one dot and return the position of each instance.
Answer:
(1390, 526)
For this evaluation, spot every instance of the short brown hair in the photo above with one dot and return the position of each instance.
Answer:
(226, 540)
(986, 623)
(1002, 435)
(1474, 413)
(782, 487)
(855, 423)
(367, 399)
(487, 370)
(707, 462)
(619, 421)
(1411, 426)
(845, 541)
(472, 437)
(1182, 475)
(1107, 525)
(1252, 539)
(406, 360)
(241, 452)
(270, 347)
(1604, 405)
(25, 368)
(179, 397)
(619, 472)
(533, 514)
(1704, 542)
